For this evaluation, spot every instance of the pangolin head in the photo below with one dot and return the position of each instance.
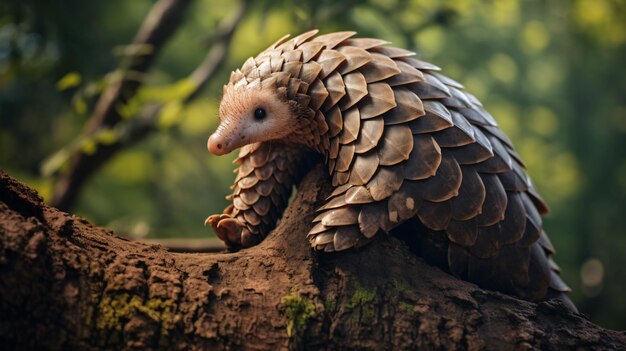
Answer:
(274, 96)
(251, 114)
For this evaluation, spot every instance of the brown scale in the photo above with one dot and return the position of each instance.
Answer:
(401, 142)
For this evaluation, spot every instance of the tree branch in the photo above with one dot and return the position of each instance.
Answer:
(159, 25)
(65, 284)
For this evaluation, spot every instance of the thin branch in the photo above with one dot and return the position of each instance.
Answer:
(158, 27)
(105, 115)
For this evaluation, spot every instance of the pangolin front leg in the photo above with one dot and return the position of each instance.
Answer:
(266, 175)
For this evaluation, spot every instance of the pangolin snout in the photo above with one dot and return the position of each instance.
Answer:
(217, 144)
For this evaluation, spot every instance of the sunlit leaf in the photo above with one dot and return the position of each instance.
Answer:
(69, 80)
(130, 109)
(544, 75)
(178, 90)
(131, 166)
(89, 146)
(107, 136)
(80, 105)
(505, 13)
(503, 68)
(170, 114)
(431, 40)
(542, 121)
(534, 37)
(54, 163)
(199, 118)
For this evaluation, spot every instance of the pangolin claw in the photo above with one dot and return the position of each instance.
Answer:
(227, 228)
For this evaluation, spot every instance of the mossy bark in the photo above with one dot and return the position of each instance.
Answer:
(65, 284)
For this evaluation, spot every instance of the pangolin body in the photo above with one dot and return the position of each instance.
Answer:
(402, 143)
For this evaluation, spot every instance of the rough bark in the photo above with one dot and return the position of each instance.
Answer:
(66, 284)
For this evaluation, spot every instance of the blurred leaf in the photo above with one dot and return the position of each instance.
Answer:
(544, 75)
(200, 117)
(52, 164)
(431, 41)
(69, 80)
(80, 105)
(107, 136)
(503, 68)
(543, 121)
(534, 37)
(132, 166)
(505, 13)
(170, 114)
(178, 90)
(131, 108)
(89, 146)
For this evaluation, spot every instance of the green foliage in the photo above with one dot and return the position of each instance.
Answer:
(551, 72)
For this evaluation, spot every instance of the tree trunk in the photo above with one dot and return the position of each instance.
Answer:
(66, 284)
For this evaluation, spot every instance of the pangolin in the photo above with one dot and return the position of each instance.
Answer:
(403, 144)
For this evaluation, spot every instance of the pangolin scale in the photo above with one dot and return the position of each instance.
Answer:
(402, 142)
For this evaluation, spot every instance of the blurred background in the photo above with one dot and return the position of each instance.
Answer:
(105, 106)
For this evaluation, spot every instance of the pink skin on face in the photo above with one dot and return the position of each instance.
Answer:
(238, 127)
(217, 145)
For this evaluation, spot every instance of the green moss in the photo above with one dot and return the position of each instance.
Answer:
(297, 311)
(362, 299)
(406, 307)
(330, 306)
(112, 309)
(361, 296)
(399, 286)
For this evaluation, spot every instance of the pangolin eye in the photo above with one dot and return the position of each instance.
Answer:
(259, 114)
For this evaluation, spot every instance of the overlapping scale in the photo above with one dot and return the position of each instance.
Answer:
(351, 125)
(385, 182)
(379, 68)
(396, 145)
(363, 168)
(378, 100)
(445, 184)
(369, 135)
(424, 159)
(495, 201)
(408, 107)
(336, 90)
(366, 43)
(372, 218)
(408, 74)
(329, 60)
(404, 203)
(331, 40)
(355, 58)
(356, 89)
(468, 204)
(435, 215)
